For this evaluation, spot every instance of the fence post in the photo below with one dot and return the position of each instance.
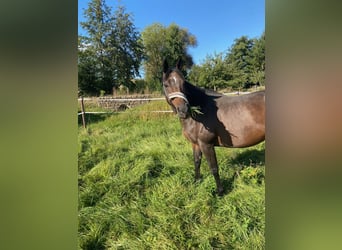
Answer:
(83, 113)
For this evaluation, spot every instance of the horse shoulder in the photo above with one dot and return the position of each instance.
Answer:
(190, 130)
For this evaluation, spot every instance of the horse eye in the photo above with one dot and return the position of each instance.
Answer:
(166, 85)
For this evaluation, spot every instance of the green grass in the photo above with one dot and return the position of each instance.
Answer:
(137, 190)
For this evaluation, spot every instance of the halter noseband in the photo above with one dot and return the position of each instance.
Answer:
(179, 95)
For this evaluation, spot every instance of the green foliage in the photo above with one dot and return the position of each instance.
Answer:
(161, 42)
(137, 189)
(126, 48)
(214, 73)
(241, 66)
(87, 81)
(111, 53)
(140, 86)
(258, 60)
(195, 110)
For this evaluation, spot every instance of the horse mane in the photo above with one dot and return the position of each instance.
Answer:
(198, 96)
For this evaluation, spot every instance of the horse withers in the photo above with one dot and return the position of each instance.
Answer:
(212, 119)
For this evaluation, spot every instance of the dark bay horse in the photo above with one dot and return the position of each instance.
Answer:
(212, 119)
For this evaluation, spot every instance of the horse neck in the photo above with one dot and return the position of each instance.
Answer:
(188, 124)
(195, 95)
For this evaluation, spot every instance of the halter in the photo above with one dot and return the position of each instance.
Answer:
(179, 95)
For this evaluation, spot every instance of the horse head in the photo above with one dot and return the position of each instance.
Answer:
(173, 82)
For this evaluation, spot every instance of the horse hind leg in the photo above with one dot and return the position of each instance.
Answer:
(209, 153)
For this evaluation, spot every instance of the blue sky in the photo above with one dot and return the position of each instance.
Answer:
(215, 23)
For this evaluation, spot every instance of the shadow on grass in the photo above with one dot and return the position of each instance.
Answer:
(156, 169)
(250, 157)
(228, 184)
(93, 118)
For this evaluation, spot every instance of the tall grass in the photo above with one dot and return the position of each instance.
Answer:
(137, 189)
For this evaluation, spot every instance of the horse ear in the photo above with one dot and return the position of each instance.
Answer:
(179, 64)
(165, 66)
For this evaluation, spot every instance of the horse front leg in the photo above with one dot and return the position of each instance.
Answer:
(209, 153)
(197, 160)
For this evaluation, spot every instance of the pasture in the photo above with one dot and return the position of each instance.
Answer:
(137, 189)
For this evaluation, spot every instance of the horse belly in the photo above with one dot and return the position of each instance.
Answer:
(243, 131)
(248, 136)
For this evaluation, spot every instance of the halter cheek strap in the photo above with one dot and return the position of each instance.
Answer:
(179, 95)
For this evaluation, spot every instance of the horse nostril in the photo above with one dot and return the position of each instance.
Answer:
(182, 109)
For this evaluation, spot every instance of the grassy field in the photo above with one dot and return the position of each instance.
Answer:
(137, 190)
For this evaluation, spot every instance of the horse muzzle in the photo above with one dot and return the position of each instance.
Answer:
(180, 103)
(183, 111)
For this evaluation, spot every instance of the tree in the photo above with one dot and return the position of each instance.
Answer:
(240, 60)
(126, 49)
(114, 46)
(161, 42)
(258, 60)
(243, 65)
(153, 38)
(212, 74)
(86, 70)
(177, 42)
(98, 26)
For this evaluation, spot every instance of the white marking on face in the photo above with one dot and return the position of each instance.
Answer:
(174, 78)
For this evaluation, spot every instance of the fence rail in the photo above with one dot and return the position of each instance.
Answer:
(142, 98)
(119, 103)
(102, 112)
(121, 99)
